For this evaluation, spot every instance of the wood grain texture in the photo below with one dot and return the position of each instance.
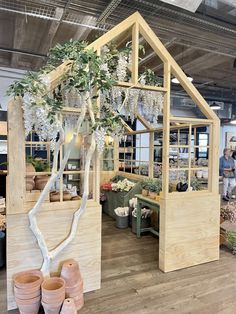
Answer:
(23, 252)
(132, 283)
(189, 231)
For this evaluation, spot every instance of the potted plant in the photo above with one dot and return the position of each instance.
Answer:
(40, 165)
(195, 184)
(144, 185)
(154, 188)
(230, 236)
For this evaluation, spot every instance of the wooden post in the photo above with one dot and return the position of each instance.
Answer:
(135, 52)
(16, 157)
(166, 130)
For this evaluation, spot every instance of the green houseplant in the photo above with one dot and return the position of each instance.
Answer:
(40, 165)
(154, 187)
(145, 185)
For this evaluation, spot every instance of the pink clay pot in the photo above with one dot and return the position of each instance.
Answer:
(26, 290)
(75, 291)
(28, 296)
(52, 308)
(53, 299)
(79, 302)
(68, 307)
(28, 279)
(28, 301)
(29, 308)
(53, 286)
(71, 273)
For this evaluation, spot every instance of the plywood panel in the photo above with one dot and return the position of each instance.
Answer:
(23, 251)
(189, 231)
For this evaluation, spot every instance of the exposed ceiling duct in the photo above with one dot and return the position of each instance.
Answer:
(191, 6)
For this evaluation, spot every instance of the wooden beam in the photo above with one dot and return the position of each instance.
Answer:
(135, 53)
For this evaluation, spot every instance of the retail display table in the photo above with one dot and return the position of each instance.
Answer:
(143, 201)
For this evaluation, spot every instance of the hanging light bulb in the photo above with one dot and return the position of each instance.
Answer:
(233, 121)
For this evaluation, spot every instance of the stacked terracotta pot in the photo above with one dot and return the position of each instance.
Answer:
(53, 295)
(68, 307)
(27, 290)
(74, 284)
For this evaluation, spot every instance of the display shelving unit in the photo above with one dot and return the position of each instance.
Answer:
(189, 222)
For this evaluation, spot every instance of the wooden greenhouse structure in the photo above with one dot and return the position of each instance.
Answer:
(189, 222)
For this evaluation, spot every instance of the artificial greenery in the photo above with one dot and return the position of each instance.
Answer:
(154, 185)
(195, 184)
(39, 164)
(108, 121)
(151, 78)
(230, 236)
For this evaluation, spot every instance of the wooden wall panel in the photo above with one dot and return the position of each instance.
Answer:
(23, 251)
(189, 231)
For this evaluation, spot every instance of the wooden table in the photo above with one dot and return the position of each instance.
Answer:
(150, 203)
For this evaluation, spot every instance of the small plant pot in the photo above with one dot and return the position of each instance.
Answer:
(68, 307)
(79, 302)
(53, 286)
(40, 182)
(145, 192)
(28, 279)
(26, 290)
(29, 184)
(122, 222)
(74, 291)
(70, 272)
(152, 195)
(27, 296)
(55, 298)
(32, 308)
(52, 308)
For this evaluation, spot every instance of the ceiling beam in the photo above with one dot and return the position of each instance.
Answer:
(20, 22)
(178, 57)
(208, 60)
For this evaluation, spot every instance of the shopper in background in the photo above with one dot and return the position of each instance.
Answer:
(227, 170)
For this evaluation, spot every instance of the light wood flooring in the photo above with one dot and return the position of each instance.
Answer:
(132, 283)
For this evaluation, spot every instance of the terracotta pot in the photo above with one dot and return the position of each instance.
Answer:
(79, 302)
(52, 308)
(67, 196)
(29, 308)
(28, 279)
(24, 296)
(221, 220)
(53, 286)
(75, 290)
(40, 182)
(68, 307)
(71, 273)
(152, 195)
(26, 290)
(29, 184)
(29, 168)
(29, 301)
(53, 299)
(54, 197)
(76, 198)
(145, 192)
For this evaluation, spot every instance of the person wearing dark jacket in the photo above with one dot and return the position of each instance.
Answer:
(227, 171)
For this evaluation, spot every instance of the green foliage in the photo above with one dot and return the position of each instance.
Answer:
(195, 184)
(145, 183)
(39, 164)
(108, 121)
(30, 83)
(154, 185)
(231, 237)
(151, 78)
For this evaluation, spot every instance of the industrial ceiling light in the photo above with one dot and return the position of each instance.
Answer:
(233, 121)
(215, 106)
(176, 81)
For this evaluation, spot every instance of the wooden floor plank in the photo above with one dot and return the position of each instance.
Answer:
(132, 282)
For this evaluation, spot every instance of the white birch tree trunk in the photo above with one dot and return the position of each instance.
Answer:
(46, 254)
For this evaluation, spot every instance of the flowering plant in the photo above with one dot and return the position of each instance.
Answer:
(228, 212)
(122, 185)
